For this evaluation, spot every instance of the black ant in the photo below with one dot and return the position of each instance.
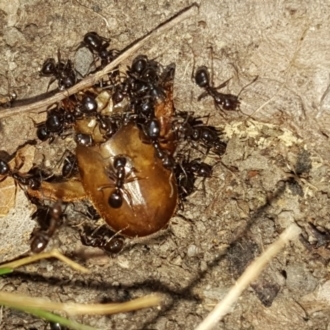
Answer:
(198, 168)
(228, 102)
(185, 182)
(225, 101)
(70, 165)
(145, 79)
(186, 173)
(61, 117)
(98, 45)
(103, 238)
(94, 42)
(108, 125)
(64, 73)
(58, 120)
(139, 64)
(132, 86)
(30, 180)
(152, 130)
(49, 219)
(119, 176)
(92, 213)
(194, 129)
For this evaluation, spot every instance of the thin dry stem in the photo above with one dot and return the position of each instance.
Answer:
(45, 255)
(92, 79)
(250, 274)
(15, 300)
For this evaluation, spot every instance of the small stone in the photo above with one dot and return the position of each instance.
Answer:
(193, 251)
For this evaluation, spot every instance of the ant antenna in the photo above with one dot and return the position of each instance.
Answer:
(194, 63)
(250, 83)
(211, 60)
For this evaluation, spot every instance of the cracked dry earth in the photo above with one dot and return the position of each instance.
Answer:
(275, 171)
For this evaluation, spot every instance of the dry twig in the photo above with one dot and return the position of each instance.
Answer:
(18, 301)
(92, 79)
(45, 255)
(250, 274)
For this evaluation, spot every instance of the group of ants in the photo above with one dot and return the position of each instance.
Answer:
(143, 85)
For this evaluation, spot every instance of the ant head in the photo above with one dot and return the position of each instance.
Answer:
(202, 77)
(139, 64)
(119, 161)
(48, 68)
(4, 167)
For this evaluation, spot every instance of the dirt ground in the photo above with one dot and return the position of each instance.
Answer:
(275, 171)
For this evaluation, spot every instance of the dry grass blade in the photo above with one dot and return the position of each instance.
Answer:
(70, 324)
(92, 79)
(45, 255)
(19, 301)
(250, 274)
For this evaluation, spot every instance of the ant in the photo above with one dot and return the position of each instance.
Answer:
(139, 64)
(185, 182)
(92, 213)
(146, 71)
(94, 42)
(58, 120)
(49, 219)
(119, 176)
(145, 79)
(225, 101)
(152, 130)
(193, 129)
(29, 179)
(70, 165)
(98, 45)
(64, 73)
(133, 86)
(186, 173)
(198, 168)
(102, 237)
(107, 124)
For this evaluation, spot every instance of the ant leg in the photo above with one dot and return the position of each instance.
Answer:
(58, 56)
(250, 83)
(115, 243)
(105, 186)
(69, 164)
(202, 96)
(220, 111)
(212, 71)
(52, 80)
(8, 100)
(194, 64)
(66, 153)
(222, 85)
